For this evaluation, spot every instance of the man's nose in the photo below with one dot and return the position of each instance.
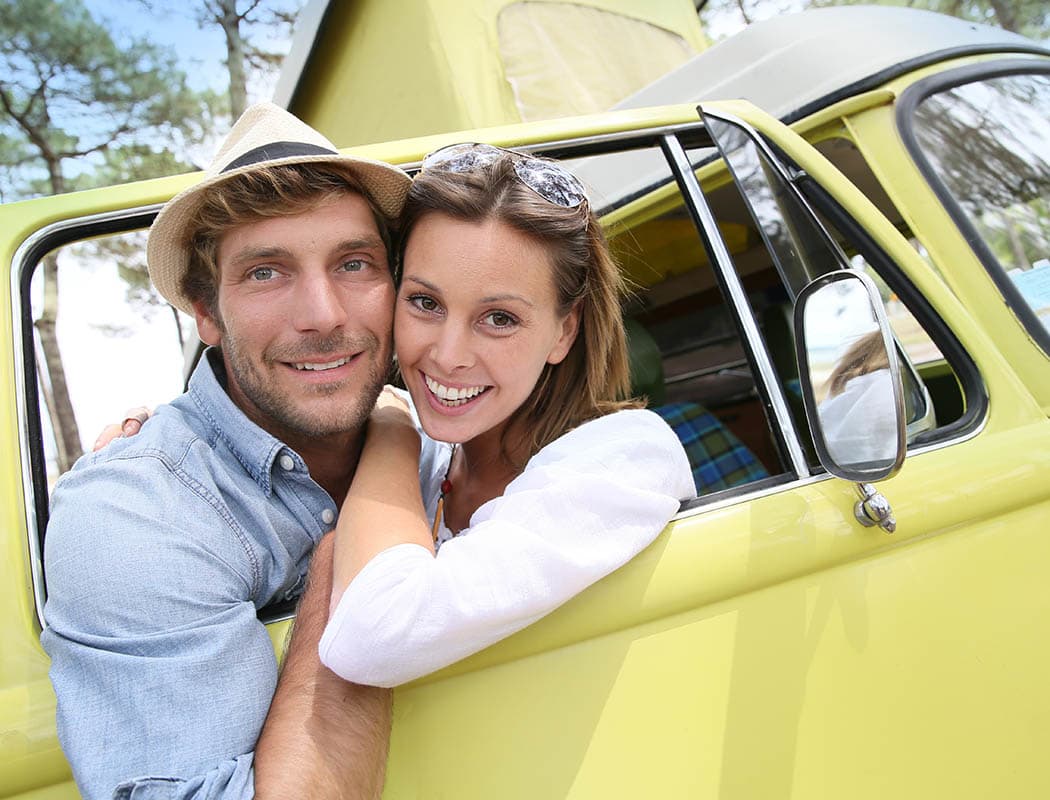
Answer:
(320, 304)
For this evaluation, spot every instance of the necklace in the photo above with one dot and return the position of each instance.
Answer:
(446, 488)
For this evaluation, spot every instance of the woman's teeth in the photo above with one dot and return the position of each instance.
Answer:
(450, 396)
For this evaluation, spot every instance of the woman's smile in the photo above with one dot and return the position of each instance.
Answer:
(476, 323)
(451, 396)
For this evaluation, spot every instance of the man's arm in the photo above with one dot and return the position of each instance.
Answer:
(162, 670)
(323, 737)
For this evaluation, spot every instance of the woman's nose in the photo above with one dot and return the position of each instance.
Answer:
(451, 348)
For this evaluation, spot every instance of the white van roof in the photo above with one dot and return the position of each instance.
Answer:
(786, 64)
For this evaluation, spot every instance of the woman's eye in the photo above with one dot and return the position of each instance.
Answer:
(500, 319)
(423, 302)
(261, 273)
(352, 265)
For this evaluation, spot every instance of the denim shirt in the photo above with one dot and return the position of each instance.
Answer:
(159, 552)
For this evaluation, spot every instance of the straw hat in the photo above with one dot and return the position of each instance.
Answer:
(265, 135)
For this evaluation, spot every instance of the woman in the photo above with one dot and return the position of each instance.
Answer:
(509, 339)
(858, 415)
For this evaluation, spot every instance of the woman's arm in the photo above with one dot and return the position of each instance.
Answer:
(584, 506)
(384, 506)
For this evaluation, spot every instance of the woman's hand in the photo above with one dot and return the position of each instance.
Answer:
(383, 507)
(390, 407)
(134, 419)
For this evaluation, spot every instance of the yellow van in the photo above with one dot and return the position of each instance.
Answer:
(792, 633)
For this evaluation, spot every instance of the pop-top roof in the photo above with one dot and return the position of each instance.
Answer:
(785, 64)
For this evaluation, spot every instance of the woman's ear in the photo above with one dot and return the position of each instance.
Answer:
(209, 329)
(570, 327)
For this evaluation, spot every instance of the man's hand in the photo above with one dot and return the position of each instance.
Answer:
(324, 737)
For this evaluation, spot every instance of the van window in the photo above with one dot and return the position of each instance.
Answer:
(103, 339)
(935, 405)
(687, 356)
(988, 142)
(942, 381)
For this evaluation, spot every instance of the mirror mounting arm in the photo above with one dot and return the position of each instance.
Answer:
(874, 509)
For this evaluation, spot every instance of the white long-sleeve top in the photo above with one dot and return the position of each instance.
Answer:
(584, 505)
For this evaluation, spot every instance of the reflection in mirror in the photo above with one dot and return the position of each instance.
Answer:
(851, 378)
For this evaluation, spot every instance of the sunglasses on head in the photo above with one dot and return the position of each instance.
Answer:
(545, 178)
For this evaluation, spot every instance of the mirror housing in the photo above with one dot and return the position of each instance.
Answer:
(850, 377)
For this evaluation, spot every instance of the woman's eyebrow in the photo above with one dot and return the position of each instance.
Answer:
(492, 298)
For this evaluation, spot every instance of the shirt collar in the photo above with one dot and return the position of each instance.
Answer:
(253, 447)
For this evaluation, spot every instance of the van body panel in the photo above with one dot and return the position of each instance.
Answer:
(766, 644)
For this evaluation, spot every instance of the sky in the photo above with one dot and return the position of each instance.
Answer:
(171, 23)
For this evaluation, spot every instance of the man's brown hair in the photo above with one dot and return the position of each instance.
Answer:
(266, 193)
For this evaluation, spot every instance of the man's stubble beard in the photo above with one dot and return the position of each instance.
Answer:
(284, 412)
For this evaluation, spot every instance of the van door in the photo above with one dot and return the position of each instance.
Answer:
(768, 644)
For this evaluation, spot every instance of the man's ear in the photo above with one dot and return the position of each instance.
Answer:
(570, 326)
(208, 328)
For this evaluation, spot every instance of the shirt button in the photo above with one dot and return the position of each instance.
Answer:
(287, 462)
(328, 516)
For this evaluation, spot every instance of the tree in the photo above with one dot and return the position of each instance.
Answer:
(71, 93)
(245, 26)
(1027, 17)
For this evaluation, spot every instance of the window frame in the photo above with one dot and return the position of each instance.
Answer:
(27, 259)
(907, 105)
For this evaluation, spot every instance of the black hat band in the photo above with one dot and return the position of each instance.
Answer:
(278, 150)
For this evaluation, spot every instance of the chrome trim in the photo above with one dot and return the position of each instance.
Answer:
(19, 267)
(754, 342)
(720, 503)
(816, 426)
(654, 134)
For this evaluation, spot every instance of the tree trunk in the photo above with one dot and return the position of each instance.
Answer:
(1006, 14)
(231, 27)
(60, 407)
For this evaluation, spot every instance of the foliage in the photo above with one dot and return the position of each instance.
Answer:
(73, 91)
(79, 103)
(1028, 17)
(249, 29)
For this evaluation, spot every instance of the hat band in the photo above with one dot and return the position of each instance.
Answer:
(277, 150)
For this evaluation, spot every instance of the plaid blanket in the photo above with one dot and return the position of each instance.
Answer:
(719, 459)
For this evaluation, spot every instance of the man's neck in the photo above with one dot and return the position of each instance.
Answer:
(332, 460)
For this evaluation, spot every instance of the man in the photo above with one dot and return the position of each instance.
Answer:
(162, 548)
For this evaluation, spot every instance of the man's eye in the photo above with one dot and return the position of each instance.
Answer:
(261, 273)
(353, 265)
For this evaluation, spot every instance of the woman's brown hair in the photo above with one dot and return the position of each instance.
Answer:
(865, 355)
(593, 379)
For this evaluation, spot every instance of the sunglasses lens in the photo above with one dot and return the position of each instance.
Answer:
(550, 182)
(547, 179)
(462, 157)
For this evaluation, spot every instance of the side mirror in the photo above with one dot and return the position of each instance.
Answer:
(850, 377)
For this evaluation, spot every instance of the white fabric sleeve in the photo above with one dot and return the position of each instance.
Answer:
(584, 505)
